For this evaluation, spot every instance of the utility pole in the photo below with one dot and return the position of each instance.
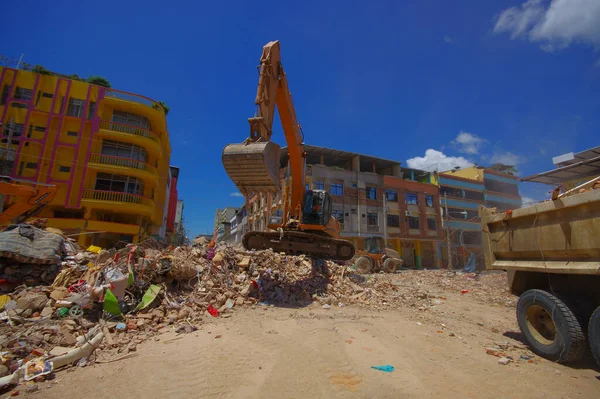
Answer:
(385, 238)
(450, 267)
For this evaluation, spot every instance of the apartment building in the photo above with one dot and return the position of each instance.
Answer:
(360, 185)
(460, 199)
(501, 188)
(466, 189)
(107, 150)
(223, 222)
(238, 226)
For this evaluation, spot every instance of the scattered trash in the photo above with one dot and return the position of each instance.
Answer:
(464, 291)
(503, 361)
(387, 368)
(213, 312)
(326, 306)
(37, 367)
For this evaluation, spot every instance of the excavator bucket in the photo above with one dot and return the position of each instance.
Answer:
(253, 167)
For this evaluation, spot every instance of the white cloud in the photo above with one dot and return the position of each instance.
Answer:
(237, 194)
(437, 160)
(528, 201)
(507, 158)
(468, 142)
(555, 25)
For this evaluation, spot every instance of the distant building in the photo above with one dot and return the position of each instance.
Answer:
(360, 185)
(466, 189)
(223, 222)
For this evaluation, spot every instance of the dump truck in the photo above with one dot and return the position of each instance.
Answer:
(551, 253)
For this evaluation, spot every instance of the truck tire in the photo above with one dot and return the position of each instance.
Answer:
(364, 265)
(594, 334)
(390, 265)
(550, 327)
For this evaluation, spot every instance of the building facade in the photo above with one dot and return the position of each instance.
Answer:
(107, 150)
(223, 222)
(463, 191)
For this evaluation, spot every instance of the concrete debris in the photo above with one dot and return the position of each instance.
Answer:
(147, 289)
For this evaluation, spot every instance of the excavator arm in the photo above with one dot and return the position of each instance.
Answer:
(254, 164)
(32, 198)
(254, 167)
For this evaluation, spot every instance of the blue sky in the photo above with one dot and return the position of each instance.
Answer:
(482, 80)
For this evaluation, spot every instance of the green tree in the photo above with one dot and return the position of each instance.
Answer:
(37, 68)
(98, 80)
(165, 107)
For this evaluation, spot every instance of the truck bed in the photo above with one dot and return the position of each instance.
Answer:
(561, 236)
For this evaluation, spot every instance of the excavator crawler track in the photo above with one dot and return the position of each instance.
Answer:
(300, 243)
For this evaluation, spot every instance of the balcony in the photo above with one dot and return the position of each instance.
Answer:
(136, 103)
(373, 229)
(116, 164)
(119, 201)
(130, 133)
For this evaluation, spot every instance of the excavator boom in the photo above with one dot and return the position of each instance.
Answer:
(254, 165)
(33, 197)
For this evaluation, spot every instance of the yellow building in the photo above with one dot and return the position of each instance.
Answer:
(107, 150)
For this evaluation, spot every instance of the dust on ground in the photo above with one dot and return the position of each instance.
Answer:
(444, 339)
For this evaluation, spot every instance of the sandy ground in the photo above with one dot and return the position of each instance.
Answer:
(311, 352)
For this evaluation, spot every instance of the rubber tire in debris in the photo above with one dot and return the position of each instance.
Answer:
(364, 264)
(594, 334)
(569, 344)
(390, 265)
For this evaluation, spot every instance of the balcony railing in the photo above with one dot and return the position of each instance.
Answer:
(120, 161)
(130, 97)
(130, 129)
(115, 196)
(373, 229)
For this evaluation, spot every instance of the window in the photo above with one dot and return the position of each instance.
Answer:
(124, 150)
(319, 185)
(31, 165)
(429, 200)
(119, 183)
(337, 189)
(393, 221)
(391, 195)
(353, 211)
(18, 105)
(338, 215)
(411, 199)
(431, 224)
(23, 94)
(47, 95)
(371, 193)
(131, 119)
(65, 169)
(474, 195)
(413, 222)
(451, 192)
(372, 219)
(502, 187)
(72, 134)
(17, 129)
(75, 107)
(92, 110)
(4, 97)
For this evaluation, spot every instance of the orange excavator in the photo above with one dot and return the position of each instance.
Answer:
(307, 226)
(32, 197)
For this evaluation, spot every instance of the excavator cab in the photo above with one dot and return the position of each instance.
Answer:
(317, 207)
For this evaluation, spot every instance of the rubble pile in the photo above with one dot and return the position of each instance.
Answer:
(102, 303)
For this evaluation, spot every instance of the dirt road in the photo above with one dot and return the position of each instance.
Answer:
(311, 352)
